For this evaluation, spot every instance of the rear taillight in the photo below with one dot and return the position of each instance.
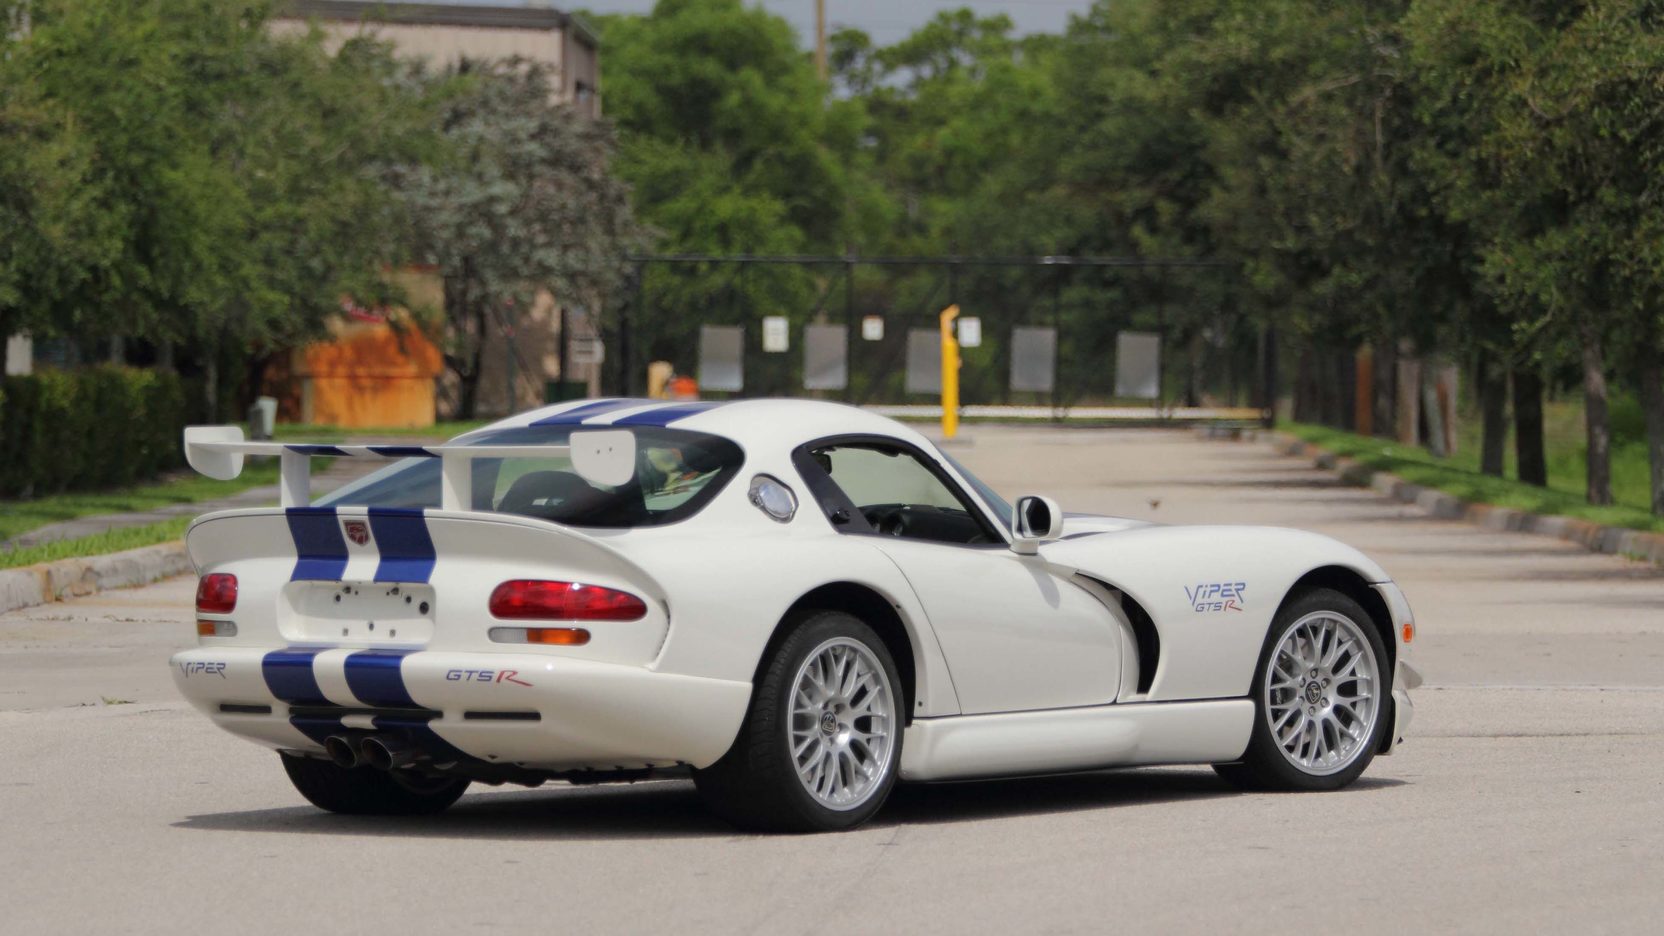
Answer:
(527, 600)
(217, 593)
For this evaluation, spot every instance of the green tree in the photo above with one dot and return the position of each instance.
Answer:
(730, 147)
(186, 177)
(524, 199)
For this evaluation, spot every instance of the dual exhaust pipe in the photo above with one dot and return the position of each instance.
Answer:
(383, 752)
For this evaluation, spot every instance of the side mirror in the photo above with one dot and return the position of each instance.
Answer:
(1034, 521)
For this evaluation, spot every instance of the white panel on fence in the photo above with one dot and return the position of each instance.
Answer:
(1033, 359)
(969, 332)
(721, 357)
(1138, 365)
(872, 328)
(776, 334)
(924, 360)
(825, 357)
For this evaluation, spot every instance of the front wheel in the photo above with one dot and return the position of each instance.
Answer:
(1321, 696)
(821, 744)
(361, 791)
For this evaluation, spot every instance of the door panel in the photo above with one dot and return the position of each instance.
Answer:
(1016, 637)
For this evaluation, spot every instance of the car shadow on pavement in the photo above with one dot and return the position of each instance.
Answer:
(671, 809)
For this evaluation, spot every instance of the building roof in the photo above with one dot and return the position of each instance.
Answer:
(441, 14)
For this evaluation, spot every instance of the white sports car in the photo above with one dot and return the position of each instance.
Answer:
(800, 603)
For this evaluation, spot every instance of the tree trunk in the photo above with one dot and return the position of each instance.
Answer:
(211, 383)
(1651, 373)
(1599, 429)
(1528, 428)
(1386, 375)
(1493, 405)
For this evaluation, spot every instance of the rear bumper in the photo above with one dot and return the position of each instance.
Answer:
(533, 710)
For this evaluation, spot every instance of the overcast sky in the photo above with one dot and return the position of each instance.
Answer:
(885, 20)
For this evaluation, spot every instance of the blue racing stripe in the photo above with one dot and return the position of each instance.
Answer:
(374, 677)
(407, 553)
(577, 414)
(314, 450)
(320, 549)
(665, 415)
(289, 676)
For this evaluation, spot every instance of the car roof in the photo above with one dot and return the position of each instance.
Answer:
(765, 423)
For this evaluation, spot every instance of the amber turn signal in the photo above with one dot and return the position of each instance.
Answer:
(557, 636)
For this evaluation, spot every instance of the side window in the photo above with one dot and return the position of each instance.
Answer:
(897, 495)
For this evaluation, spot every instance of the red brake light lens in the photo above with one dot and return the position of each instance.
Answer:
(217, 593)
(528, 600)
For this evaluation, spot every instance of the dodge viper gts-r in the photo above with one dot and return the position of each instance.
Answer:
(799, 603)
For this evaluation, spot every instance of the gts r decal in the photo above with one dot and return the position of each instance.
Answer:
(1216, 596)
(485, 676)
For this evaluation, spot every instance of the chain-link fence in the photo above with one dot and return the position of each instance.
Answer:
(1054, 331)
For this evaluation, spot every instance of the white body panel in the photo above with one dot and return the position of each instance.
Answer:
(1019, 637)
(1019, 664)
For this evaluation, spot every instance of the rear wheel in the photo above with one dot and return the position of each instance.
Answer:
(361, 791)
(821, 744)
(1320, 698)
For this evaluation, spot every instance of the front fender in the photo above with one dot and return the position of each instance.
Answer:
(1211, 592)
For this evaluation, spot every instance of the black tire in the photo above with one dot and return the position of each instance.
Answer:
(361, 791)
(1263, 765)
(755, 785)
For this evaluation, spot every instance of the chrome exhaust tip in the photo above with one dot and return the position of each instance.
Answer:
(385, 753)
(342, 751)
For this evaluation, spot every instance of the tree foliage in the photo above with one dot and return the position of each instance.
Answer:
(523, 200)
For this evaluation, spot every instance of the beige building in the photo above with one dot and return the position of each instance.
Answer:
(524, 353)
(442, 33)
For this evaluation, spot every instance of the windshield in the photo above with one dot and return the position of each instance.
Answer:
(995, 502)
(677, 473)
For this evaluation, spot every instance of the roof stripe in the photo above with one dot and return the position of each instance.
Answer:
(665, 415)
(577, 414)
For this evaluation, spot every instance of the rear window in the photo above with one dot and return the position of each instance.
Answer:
(677, 474)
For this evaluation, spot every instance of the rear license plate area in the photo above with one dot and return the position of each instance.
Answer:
(371, 612)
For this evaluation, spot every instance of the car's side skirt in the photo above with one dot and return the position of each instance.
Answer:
(1016, 743)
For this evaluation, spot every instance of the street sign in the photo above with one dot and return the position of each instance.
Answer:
(970, 332)
(776, 337)
(872, 328)
(582, 350)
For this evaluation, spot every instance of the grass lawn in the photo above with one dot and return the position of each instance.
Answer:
(116, 540)
(17, 517)
(1459, 474)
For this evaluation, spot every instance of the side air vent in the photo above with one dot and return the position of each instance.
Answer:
(1149, 641)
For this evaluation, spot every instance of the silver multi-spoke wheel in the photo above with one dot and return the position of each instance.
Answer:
(1322, 693)
(842, 725)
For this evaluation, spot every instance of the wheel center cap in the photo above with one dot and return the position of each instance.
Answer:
(829, 723)
(1314, 692)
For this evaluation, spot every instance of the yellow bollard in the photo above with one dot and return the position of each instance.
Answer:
(950, 374)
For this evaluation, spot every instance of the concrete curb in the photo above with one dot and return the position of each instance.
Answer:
(71, 578)
(1585, 533)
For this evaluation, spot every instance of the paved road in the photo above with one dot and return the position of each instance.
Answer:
(1530, 796)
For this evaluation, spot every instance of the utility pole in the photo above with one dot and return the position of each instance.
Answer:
(820, 39)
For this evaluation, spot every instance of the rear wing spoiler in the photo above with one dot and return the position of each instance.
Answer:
(600, 456)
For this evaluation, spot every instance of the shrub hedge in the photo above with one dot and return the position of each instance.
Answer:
(95, 427)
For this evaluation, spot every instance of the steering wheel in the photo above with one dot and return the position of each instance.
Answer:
(886, 519)
(894, 523)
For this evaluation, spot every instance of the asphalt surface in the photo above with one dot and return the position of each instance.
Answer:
(1528, 797)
